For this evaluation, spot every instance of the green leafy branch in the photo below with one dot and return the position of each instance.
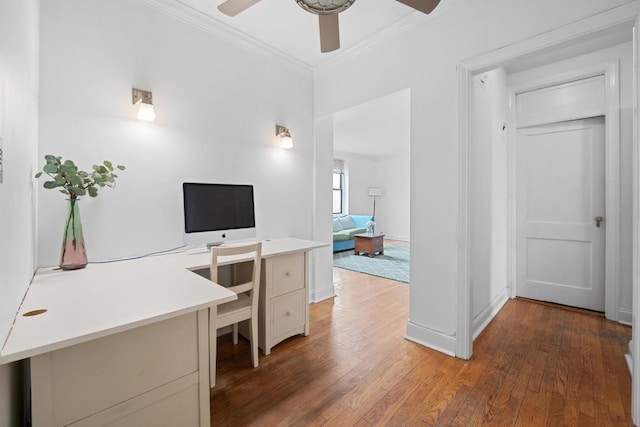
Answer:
(73, 182)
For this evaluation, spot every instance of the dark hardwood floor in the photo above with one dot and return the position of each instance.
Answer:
(533, 365)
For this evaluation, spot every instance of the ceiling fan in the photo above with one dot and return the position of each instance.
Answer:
(327, 11)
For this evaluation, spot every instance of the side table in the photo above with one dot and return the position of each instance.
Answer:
(369, 244)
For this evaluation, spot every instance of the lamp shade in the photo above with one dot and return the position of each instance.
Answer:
(146, 112)
(286, 142)
(375, 191)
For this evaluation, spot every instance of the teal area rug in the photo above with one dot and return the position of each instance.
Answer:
(394, 264)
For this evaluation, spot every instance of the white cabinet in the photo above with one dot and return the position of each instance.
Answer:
(284, 300)
(153, 375)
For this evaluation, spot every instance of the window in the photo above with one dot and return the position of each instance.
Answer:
(338, 187)
(338, 183)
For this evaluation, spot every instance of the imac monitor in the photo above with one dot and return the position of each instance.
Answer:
(215, 212)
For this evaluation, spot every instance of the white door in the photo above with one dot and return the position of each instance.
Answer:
(561, 213)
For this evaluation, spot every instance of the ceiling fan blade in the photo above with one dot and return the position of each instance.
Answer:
(234, 7)
(425, 6)
(329, 33)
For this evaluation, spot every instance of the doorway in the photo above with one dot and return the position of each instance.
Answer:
(515, 62)
(554, 44)
(371, 146)
(391, 173)
(372, 141)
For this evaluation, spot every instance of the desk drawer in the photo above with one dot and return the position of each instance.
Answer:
(288, 273)
(288, 312)
(78, 381)
(168, 405)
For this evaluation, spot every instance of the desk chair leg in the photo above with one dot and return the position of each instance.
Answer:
(213, 346)
(235, 334)
(253, 336)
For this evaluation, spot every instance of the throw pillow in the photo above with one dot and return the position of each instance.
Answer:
(337, 226)
(347, 222)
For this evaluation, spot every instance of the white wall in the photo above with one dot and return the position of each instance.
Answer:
(488, 204)
(424, 60)
(623, 53)
(359, 176)
(18, 133)
(217, 106)
(392, 174)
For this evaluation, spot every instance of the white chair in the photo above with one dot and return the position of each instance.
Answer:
(245, 267)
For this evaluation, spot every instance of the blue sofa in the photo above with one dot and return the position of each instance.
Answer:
(344, 227)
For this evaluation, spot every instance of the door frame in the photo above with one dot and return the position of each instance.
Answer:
(611, 72)
(628, 13)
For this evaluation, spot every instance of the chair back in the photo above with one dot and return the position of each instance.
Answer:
(245, 260)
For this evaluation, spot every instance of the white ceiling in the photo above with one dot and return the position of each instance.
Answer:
(283, 28)
(377, 129)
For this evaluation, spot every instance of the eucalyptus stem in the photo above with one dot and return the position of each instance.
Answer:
(72, 182)
(72, 221)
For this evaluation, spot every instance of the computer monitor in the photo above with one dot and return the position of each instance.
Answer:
(214, 213)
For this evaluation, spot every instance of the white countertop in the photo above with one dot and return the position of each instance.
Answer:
(104, 299)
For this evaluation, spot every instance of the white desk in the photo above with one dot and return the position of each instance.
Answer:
(125, 342)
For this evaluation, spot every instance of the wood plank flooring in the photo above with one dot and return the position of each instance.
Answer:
(533, 365)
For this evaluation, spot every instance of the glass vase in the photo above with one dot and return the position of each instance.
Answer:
(371, 228)
(74, 254)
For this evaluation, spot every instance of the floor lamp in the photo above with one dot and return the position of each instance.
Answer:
(374, 192)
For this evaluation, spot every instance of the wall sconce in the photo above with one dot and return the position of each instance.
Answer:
(142, 99)
(286, 141)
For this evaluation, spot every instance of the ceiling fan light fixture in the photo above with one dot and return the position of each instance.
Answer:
(325, 7)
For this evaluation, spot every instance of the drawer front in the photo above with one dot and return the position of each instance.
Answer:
(288, 273)
(288, 312)
(173, 406)
(87, 378)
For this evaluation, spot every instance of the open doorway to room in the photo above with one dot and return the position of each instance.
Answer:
(371, 176)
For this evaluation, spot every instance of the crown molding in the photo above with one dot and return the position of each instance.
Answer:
(410, 22)
(204, 22)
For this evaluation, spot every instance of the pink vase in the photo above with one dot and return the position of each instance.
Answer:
(74, 254)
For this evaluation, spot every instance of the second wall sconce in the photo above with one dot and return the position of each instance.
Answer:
(143, 100)
(286, 141)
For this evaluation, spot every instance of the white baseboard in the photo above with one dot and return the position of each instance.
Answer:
(431, 338)
(489, 312)
(401, 239)
(625, 316)
(322, 294)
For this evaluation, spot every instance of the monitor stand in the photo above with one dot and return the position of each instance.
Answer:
(212, 244)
